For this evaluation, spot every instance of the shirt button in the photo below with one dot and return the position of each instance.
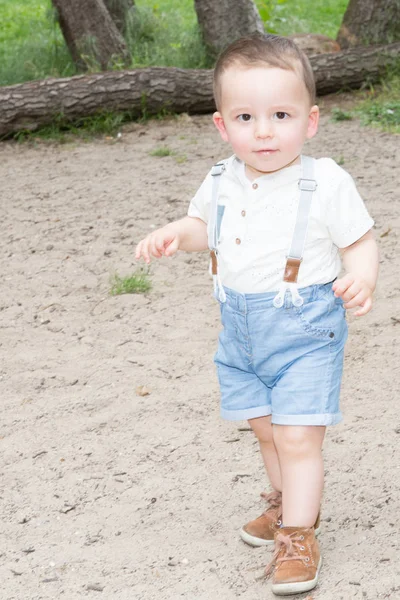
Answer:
(243, 213)
(255, 186)
(238, 241)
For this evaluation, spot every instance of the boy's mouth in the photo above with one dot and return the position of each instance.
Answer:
(266, 151)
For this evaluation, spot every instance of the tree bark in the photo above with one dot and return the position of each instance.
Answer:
(90, 33)
(29, 106)
(223, 21)
(119, 10)
(368, 22)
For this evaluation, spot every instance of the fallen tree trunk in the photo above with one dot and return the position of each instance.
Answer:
(31, 105)
(353, 68)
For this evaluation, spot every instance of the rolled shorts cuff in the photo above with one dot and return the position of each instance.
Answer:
(245, 413)
(317, 420)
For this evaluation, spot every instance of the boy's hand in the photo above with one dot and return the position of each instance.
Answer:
(162, 242)
(355, 292)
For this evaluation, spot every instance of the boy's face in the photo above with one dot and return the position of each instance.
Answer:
(265, 115)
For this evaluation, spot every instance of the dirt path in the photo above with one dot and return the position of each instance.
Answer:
(106, 494)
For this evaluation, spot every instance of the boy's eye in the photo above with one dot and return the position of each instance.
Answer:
(280, 115)
(245, 117)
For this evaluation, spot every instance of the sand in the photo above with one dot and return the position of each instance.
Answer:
(109, 494)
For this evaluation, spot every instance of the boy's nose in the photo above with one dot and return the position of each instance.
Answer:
(263, 130)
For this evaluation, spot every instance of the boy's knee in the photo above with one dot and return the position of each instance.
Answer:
(297, 440)
(262, 429)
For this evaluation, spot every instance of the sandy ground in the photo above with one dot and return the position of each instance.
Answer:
(105, 493)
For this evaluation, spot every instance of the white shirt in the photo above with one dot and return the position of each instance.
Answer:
(259, 218)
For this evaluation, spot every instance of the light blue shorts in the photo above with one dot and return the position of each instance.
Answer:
(286, 362)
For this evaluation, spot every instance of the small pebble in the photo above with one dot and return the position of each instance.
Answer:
(142, 390)
(95, 587)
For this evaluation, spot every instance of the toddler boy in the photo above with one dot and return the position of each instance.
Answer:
(278, 223)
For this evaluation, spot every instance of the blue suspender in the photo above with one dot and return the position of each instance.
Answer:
(307, 186)
(212, 230)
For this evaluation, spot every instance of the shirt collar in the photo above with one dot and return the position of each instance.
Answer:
(270, 180)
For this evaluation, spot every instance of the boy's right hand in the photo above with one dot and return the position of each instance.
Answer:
(162, 242)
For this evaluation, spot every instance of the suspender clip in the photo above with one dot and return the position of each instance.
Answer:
(217, 169)
(307, 185)
(285, 287)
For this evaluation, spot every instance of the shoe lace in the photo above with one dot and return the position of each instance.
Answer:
(274, 500)
(289, 546)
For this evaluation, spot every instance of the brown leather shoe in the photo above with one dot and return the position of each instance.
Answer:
(296, 562)
(261, 531)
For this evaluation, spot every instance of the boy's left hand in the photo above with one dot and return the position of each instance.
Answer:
(355, 292)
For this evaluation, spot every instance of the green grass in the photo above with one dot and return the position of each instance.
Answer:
(86, 128)
(31, 44)
(379, 107)
(137, 283)
(163, 33)
(385, 115)
(166, 33)
(337, 114)
(303, 16)
(165, 151)
(161, 152)
(108, 124)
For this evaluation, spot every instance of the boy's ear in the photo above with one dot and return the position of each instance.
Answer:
(220, 125)
(313, 120)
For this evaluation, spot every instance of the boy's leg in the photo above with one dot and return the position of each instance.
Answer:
(297, 559)
(261, 531)
(263, 430)
(299, 450)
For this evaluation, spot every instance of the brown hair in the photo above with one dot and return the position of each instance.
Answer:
(265, 49)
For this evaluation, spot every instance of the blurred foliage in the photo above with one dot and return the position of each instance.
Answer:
(161, 32)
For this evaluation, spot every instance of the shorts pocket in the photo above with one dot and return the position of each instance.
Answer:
(319, 318)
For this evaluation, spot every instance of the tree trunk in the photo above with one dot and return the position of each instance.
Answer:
(28, 106)
(224, 21)
(368, 22)
(90, 33)
(119, 10)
